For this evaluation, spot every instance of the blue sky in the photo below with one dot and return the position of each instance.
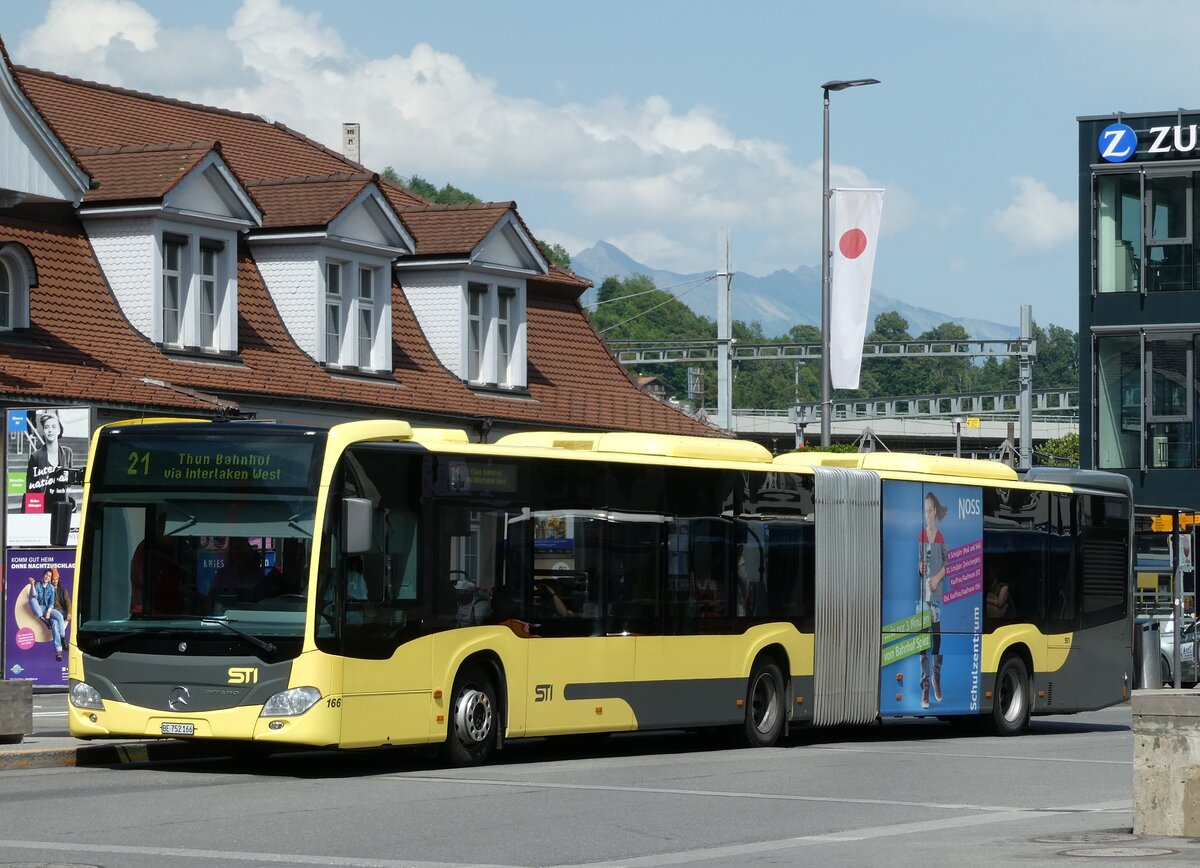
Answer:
(657, 124)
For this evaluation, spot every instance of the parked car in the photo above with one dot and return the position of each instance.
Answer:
(1187, 652)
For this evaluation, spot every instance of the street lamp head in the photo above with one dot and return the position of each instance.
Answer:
(842, 85)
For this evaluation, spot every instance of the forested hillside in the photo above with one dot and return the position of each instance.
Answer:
(634, 309)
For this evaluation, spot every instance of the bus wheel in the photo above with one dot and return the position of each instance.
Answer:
(1010, 705)
(472, 718)
(764, 704)
(1167, 680)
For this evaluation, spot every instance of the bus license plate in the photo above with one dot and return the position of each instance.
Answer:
(179, 729)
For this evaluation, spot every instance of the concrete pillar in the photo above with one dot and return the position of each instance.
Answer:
(16, 710)
(1166, 762)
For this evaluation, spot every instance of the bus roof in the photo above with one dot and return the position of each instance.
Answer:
(901, 462)
(640, 443)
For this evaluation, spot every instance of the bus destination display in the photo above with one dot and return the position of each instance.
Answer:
(269, 462)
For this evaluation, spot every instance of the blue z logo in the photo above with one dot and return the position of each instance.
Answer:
(1118, 142)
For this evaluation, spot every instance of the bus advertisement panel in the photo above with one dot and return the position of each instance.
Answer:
(932, 599)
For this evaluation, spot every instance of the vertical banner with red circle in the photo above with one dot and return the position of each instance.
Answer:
(856, 217)
(29, 647)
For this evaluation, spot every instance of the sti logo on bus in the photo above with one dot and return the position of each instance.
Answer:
(242, 675)
(1118, 142)
(969, 506)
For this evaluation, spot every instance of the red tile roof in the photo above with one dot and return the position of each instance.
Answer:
(89, 115)
(306, 202)
(452, 230)
(140, 173)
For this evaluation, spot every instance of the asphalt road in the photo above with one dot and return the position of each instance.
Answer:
(916, 793)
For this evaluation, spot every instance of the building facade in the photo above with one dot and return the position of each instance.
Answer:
(1139, 302)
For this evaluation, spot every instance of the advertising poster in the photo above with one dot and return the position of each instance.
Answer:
(39, 584)
(932, 598)
(47, 450)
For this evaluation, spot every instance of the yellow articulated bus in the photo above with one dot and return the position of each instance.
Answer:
(377, 584)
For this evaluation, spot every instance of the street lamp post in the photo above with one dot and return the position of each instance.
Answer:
(826, 253)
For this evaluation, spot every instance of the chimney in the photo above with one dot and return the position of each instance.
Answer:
(350, 142)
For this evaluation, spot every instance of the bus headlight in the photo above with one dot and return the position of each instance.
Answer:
(289, 703)
(83, 695)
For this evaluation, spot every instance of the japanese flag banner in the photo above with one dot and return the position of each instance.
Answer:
(856, 216)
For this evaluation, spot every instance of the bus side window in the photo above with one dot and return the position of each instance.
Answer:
(1062, 606)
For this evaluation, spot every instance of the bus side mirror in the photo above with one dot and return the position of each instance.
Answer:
(357, 519)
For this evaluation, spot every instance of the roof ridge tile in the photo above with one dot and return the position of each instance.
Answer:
(337, 177)
(141, 94)
(104, 150)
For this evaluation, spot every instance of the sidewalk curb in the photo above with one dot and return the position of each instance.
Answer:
(97, 755)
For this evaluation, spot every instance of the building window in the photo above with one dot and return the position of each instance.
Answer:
(208, 297)
(172, 290)
(1119, 404)
(1169, 408)
(505, 301)
(356, 310)
(333, 313)
(366, 316)
(1169, 235)
(494, 317)
(477, 296)
(1145, 238)
(16, 275)
(1119, 233)
(1147, 408)
(6, 296)
(196, 303)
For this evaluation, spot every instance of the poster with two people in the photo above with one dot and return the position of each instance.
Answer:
(932, 598)
(38, 588)
(47, 451)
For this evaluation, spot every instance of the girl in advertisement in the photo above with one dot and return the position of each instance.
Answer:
(49, 469)
(932, 569)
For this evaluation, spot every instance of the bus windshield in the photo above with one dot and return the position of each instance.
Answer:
(222, 549)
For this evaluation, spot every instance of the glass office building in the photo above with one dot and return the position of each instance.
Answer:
(1139, 301)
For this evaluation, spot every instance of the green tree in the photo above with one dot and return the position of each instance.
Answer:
(1059, 451)
(883, 376)
(390, 174)
(556, 253)
(447, 195)
(945, 375)
(634, 309)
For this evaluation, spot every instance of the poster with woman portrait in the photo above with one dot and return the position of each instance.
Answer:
(932, 598)
(39, 584)
(47, 450)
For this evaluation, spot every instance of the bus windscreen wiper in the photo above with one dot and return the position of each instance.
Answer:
(253, 640)
(110, 638)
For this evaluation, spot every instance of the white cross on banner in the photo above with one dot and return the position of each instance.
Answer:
(855, 230)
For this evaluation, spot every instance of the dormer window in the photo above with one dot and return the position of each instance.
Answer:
(196, 299)
(16, 269)
(493, 328)
(353, 302)
(333, 312)
(6, 295)
(172, 279)
(366, 316)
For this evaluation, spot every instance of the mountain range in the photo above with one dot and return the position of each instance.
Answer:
(777, 301)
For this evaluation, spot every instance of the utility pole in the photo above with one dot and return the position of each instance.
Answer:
(725, 343)
(1025, 384)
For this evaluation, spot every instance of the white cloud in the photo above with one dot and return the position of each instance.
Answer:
(80, 35)
(1036, 221)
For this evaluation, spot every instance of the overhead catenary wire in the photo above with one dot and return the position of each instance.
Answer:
(696, 284)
